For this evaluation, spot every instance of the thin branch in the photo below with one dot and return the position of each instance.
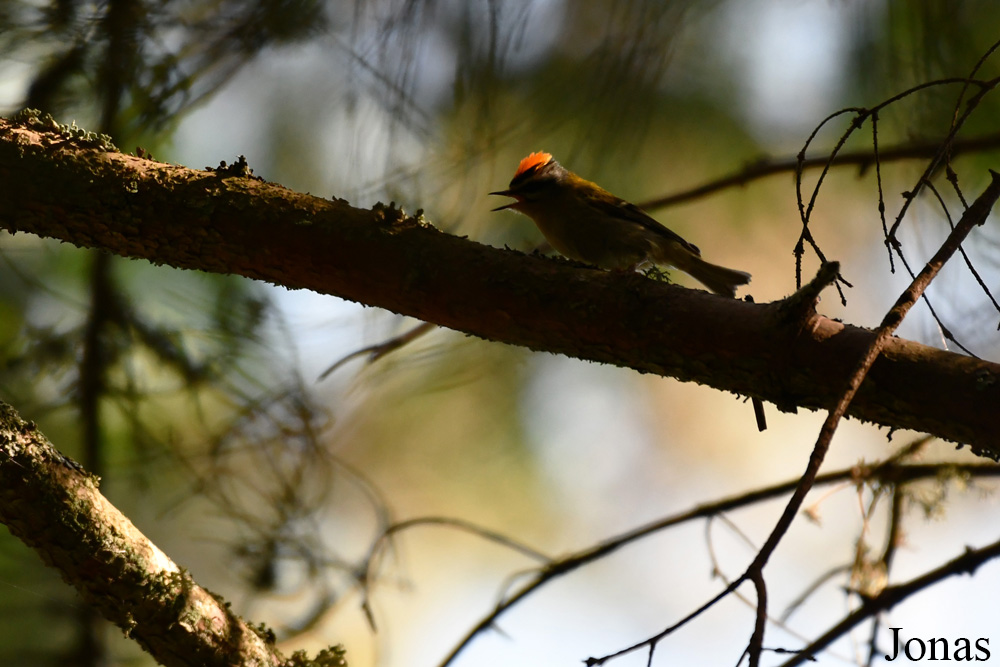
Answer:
(893, 534)
(967, 563)
(975, 215)
(812, 588)
(888, 472)
(379, 350)
(984, 88)
(953, 179)
(862, 159)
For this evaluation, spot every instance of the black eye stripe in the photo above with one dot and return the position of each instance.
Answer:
(531, 181)
(529, 186)
(523, 176)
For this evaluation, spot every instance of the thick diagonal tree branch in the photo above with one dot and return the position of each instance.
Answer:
(783, 352)
(57, 509)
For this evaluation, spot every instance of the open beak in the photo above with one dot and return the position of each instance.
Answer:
(505, 193)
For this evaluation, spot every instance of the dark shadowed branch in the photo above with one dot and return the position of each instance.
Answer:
(214, 221)
(55, 507)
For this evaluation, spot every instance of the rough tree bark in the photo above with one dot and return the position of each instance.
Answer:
(57, 509)
(59, 186)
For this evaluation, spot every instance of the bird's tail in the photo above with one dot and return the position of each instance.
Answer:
(719, 279)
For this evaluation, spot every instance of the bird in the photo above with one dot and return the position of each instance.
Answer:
(585, 222)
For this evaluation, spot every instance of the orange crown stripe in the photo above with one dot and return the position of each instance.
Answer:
(532, 161)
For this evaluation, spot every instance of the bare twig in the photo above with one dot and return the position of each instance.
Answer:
(976, 215)
(967, 563)
(862, 159)
(890, 471)
(379, 350)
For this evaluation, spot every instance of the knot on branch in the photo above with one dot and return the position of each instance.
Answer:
(801, 305)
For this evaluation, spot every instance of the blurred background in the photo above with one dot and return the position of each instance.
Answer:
(196, 397)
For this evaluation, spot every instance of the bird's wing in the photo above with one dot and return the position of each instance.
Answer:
(619, 208)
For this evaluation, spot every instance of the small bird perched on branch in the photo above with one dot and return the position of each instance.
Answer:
(585, 222)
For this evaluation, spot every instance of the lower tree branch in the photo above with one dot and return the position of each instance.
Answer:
(216, 221)
(54, 507)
